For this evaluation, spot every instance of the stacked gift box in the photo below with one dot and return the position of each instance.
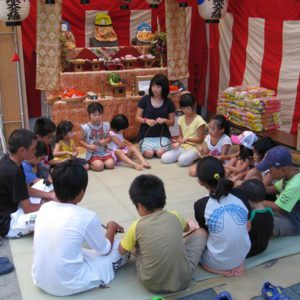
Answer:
(255, 108)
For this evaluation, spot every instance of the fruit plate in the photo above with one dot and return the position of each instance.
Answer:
(73, 99)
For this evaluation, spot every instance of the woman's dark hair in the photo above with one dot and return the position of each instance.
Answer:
(69, 179)
(245, 153)
(263, 145)
(119, 122)
(95, 107)
(222, 123)
(149, 191)
(211, 172)
(43, 126)
(62, 129)
(40, 149)
(20, 138)
(187, 100)
(162, 81)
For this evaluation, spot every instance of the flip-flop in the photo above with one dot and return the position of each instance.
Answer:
(224, 295)
(3, 260)
(6, 268)
(272, 292)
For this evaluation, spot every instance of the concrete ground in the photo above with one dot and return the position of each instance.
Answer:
(107, 195)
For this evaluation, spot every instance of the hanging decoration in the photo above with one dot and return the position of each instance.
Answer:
(154, 3)
(183, 3)
(125, 4)
(13, 12)
(212, 10)
(15, 58)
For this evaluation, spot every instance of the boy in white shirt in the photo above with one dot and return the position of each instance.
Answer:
(61, 266)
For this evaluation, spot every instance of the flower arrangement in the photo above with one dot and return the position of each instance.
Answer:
(159, 44)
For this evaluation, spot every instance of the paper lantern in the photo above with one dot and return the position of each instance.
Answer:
(212, 10)
(13, 12)
(183, 3)
(125, 4)
(154, 3)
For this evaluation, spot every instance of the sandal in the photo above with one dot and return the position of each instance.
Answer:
(3, 260)
(224, 295)
(272, 292)
(6, 268)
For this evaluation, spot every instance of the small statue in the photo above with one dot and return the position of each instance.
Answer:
(67, 36)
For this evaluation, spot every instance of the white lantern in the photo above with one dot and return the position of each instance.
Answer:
(212, 10)
(154, 3)
(13, 12)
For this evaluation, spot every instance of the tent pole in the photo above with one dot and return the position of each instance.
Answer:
(205, 110)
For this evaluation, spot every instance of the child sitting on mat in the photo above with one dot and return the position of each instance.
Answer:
(65, 147)
(224, 215)
(72, 253)
(165, 262)
(122, 149)
(216, 143)
(95, 137)
(191, 132)
(261, 217)
(237, 167)
(287, 205)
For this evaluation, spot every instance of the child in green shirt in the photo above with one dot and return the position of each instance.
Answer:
(287, 204)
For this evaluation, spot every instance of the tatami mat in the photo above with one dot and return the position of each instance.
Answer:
(107, 195)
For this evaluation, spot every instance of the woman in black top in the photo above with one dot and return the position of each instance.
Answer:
(155, 113)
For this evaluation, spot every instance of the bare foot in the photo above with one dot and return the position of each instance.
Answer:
(146, 165)
(138, 167)
(239, 271)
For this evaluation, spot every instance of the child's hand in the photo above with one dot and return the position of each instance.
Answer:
(151, 122)
(115, 226)
(92, 148)
(161, 120)
(103, 142)
(201, 151)
(176, 144)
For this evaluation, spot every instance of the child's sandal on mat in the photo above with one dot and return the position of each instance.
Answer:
(272, 292)
(224, 295)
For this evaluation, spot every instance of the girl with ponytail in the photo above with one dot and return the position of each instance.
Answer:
(224, 214)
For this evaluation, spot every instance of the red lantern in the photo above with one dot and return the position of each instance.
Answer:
(212, 10)
(125, 4)
(183, 3)
(13, 12)
(154, 3)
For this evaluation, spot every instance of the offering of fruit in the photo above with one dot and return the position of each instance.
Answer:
(71, 93)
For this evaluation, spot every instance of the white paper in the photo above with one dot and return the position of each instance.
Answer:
(41, 186)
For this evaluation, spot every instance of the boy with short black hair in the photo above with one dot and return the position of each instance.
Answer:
(62, 228)
(44, 129)
(95, 137)
(261, 217)
(17, 214)
(164, 262)
(30, 169)
(287, 204)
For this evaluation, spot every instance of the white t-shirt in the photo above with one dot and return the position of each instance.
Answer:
(60, 265)
(216, 150)
(228, 240)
